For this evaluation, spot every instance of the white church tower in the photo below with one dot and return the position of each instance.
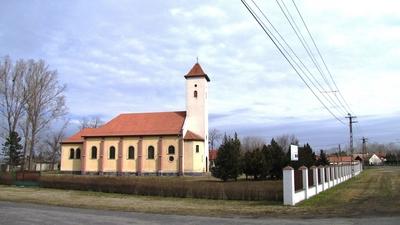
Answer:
(197, 106)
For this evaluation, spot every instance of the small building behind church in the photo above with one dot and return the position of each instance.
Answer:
(174, 143)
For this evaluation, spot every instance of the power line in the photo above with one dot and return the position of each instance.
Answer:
(298, 58)
(320, 55)
(304, 43)
(282, 50)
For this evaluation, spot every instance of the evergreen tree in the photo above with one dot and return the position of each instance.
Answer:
(228, 161)
(12, 150)
(308, 156)
(268, 161)
(254, 163)
(278, 160)
(323, 160)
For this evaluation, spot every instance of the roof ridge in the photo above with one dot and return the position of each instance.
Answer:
(135, 113)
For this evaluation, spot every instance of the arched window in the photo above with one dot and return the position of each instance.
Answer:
(71, 153)
(171, 150)
(150, 152)
(78, 153)
(195, 94)
(94, 152)
(131, 152)
(112, 152)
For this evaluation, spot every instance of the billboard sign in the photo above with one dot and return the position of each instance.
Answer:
(294, 153)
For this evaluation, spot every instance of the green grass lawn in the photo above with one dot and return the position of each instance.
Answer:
(375, 192)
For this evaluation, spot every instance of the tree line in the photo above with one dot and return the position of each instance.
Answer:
(264, 161)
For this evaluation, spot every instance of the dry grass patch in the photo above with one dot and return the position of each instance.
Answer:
(376, 192)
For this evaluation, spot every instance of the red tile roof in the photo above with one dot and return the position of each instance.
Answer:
(335, 159)
(136, 124)
(212, 154)
(197, 71)
(77, 138)
(190, 136)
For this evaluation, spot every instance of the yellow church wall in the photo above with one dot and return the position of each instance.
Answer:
(68, 164)
(193, 161)
(92, 165)
(198, 156)
(149, 165)
(170, 166)
(188, 156)
(110, 165)
(129, 165)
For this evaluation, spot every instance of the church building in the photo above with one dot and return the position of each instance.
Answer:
(173, 143)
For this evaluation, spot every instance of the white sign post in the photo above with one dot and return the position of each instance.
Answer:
(294, 153)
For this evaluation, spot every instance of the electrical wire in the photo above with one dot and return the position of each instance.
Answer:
(281, 50)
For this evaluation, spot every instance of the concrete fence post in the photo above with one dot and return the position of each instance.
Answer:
(304, 172)
(288, 186)
(348, 171)
(315, 177)
(328, 175)
(321, 171)
(334, 167)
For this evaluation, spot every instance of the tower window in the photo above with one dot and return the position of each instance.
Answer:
(195, 85)
(197, 148)
(94, 152)
(195, 94)
(112, 152)
(131, 152)
(150, 152)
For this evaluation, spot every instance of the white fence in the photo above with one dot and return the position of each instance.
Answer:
(298, 186)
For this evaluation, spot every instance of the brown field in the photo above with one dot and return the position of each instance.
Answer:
(375, 192)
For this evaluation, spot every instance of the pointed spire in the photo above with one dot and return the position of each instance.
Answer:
(197, 71)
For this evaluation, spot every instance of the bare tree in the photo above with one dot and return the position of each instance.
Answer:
(12, 93)
(286, 140)
(90, 122)
(251, 143)
(214, 136)
(53, 142)
(30, 99)
(45, 101)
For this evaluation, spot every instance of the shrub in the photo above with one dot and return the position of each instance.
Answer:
(182, 187)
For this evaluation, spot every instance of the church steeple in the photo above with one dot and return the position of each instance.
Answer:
(197, 71)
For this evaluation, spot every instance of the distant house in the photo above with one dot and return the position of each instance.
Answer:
(375, 160)
(213, 155)
(45, 166)
(334, 159)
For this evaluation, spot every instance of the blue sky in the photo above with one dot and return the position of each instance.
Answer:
(130, 56)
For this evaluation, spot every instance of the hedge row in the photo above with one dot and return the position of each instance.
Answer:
(169, 187)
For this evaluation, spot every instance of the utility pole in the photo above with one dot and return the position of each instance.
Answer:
(351, 121)
(364, 148)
